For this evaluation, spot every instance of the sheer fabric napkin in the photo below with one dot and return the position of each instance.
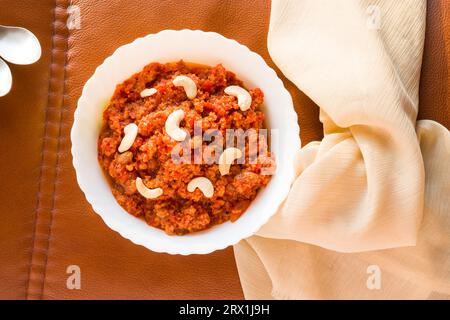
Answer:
(372, 199)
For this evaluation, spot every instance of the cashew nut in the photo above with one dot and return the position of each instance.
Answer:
(148, 92)
(130, 131)
(204, 184)
(173, 125)
(146, 192)
(226, 159)
(188, 84)
(243, 96)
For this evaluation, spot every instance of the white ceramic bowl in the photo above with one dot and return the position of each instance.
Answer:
(193, 46)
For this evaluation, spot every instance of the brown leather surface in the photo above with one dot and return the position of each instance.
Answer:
(434, 95)
(22, 123)
(47, 225)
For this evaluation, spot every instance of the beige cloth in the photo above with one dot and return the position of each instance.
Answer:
(376, 190)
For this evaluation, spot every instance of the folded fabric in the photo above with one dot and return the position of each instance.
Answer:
(374, 193)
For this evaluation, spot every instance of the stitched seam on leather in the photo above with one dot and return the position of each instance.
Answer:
(38, 198)
(58, 156)
(48, 170)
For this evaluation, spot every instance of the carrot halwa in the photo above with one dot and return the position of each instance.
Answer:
(176, 210)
